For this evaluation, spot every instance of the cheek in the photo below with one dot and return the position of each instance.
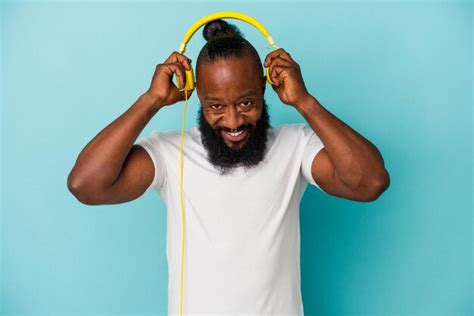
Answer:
(255, 116)
(213, 119)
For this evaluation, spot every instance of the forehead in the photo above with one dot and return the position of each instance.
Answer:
(227, 78)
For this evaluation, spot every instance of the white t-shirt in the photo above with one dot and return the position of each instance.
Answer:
(242, 246)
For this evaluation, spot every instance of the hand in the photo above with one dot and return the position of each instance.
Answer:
(162, 89)
(286, 75)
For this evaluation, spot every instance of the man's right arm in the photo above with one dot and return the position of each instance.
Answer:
(112, 169)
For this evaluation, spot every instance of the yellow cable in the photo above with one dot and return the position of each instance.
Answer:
(182, 202)
(189, 85)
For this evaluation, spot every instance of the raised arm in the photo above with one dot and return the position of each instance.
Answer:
(108, 170)
(112, 169)
(349, 165)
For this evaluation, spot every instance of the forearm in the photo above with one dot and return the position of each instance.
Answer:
(357, 162)
(100, 162)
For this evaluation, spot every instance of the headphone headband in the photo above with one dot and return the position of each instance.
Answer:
(225, 14)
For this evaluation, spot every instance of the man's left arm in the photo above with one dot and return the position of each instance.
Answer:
(349, 165)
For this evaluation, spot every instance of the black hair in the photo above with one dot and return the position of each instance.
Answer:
(224, 40)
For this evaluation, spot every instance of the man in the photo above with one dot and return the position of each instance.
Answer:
(243, 179)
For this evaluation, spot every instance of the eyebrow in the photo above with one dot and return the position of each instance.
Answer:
(246, 94)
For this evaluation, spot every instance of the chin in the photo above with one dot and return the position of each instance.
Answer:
(236, 146)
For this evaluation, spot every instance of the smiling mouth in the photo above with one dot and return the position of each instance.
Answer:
(236, 137)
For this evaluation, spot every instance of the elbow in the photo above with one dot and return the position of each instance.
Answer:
(73, 184)
(78, 189)
(378, 187)
(383, 182)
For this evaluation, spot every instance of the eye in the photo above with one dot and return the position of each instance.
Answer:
(247, 103)
(216, 106)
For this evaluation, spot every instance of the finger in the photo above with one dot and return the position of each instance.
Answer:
(176, 68)
(278, 53)
(177, 57)
(285, 55)
(271, 55)
(280, 58)
(278, 74)
(180, 75)
(278, 61)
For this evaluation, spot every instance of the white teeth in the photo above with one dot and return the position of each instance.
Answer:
(236, 134)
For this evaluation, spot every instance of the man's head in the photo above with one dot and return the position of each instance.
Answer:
(230, 85)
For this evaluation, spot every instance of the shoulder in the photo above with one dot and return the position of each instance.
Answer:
(165, 141)
(173, 136)
(290, 130)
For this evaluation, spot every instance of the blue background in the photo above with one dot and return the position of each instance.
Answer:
(399, 73)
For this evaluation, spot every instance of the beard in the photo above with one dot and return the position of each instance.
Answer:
(224, 158)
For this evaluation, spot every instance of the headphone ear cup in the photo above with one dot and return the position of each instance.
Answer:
(189, 79)
(267, 73)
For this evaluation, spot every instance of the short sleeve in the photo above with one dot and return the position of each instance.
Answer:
(153, 147)
(313, 146)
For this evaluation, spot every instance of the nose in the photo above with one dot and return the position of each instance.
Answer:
(232, 118)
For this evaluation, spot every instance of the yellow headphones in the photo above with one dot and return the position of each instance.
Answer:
(214, 16)
(189, 85)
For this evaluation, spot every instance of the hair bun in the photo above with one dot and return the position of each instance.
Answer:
(220, 28)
